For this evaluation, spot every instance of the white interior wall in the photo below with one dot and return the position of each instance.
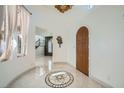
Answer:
(106, 48)
(106, 26)
(40, 21)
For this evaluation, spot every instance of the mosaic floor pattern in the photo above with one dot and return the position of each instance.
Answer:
(59, 79)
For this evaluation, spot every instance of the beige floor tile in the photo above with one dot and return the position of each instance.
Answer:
(35, 78)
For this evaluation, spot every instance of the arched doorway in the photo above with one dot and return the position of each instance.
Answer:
(82, 50)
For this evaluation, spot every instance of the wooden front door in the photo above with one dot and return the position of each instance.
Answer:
(82, 50)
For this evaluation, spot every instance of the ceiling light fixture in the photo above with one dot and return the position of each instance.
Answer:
(63, 8)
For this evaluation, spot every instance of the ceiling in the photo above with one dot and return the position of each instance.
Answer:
(51, 8)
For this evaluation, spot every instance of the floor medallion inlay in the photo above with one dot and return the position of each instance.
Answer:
(59, 79)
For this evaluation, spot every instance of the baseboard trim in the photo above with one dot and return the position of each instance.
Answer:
(105, 85)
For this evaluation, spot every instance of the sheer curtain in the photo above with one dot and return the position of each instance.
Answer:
(1, 32)
(14, 25)
(23, 27)
(9, 16)
(1, 16)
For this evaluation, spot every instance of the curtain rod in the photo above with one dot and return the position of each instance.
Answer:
(26, 9)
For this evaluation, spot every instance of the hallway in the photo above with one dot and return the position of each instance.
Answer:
(35, 77)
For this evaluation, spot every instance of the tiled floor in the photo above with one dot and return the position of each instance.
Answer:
(35, 78)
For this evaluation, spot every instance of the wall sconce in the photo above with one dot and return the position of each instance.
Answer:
(59, 40)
